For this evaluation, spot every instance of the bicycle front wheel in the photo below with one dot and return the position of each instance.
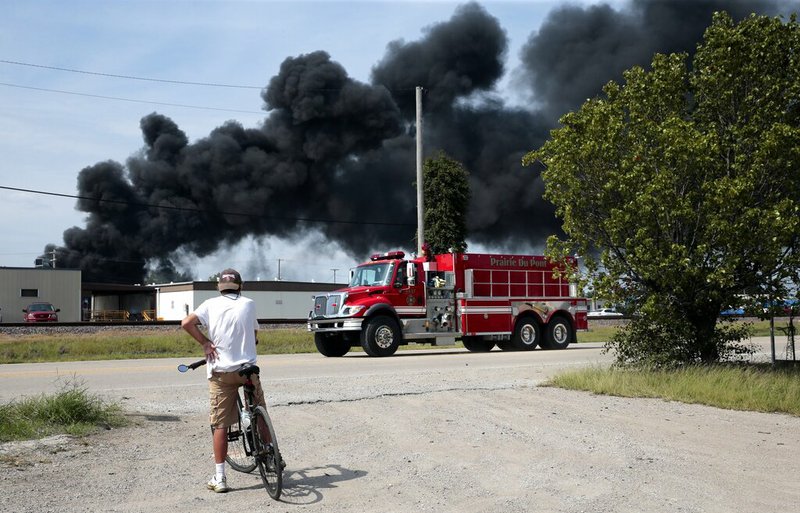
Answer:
(268, 457)
(240, 446)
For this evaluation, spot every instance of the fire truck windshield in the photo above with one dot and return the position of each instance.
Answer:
(372, 275)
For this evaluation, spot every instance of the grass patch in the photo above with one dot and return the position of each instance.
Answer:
(175, 343)
(286, 341)
(758, 329)
(72, 410)
(598, 334)
(106, 345)
(123, 345)
(736, 387)
(119, 345)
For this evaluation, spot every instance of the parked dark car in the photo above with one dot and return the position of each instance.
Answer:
(41, 312)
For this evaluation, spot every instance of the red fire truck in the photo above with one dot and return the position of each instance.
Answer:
(512, 301)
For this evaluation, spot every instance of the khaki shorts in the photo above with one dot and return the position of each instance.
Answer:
(222, 390)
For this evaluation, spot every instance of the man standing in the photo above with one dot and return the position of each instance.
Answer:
(232, 327)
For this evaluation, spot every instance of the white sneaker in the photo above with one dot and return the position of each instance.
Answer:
(219, 486)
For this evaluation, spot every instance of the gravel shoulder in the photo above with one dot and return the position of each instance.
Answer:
(426, 442)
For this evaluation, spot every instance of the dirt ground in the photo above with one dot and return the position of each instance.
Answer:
(494, 444)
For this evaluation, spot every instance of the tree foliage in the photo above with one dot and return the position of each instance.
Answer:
(165, 272)
(447, 194)
(680, 187)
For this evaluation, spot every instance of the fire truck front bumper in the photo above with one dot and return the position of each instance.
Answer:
(323, 325)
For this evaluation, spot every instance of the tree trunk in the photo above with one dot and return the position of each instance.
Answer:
(704, 323)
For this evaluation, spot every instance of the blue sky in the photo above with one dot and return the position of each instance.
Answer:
(53, 123)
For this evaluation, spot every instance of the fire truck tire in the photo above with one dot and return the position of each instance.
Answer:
(331, 344)
(381, 336)
(477, 344)
(558, 333)
(527, 334)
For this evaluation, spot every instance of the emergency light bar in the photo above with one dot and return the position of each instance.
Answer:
(391, 255)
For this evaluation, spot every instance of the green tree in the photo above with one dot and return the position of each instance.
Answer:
(446, 189)
(680, 187)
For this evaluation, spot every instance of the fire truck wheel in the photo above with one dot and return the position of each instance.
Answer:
(331, 344)
(381, 336)
(477, 344)
(527, 334)
(558, 333)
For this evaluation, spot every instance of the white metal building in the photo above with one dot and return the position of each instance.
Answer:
(21, 286)
(274, 299)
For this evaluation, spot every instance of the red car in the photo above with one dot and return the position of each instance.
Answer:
(41, 312)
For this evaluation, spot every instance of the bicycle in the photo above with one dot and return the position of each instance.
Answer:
(247, 445)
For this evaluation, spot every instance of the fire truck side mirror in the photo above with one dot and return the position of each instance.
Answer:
(411, 273)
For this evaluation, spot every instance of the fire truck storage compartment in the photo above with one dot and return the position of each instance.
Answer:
(440, 303)
(513, 283)
(485, 316)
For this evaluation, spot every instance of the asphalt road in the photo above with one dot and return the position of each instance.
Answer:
(152, 379)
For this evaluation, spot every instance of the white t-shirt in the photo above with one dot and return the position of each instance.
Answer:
(231, 323)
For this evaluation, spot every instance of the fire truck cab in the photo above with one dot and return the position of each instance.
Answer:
(515, 302)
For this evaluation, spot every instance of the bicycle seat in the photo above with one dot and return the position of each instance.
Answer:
(249, 371)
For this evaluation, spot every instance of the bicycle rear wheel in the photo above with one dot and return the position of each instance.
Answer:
(240, 445)
(268, 457)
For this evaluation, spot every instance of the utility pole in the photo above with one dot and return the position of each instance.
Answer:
(43, 260)
(420, 198)
(279, 269)
(334, 274)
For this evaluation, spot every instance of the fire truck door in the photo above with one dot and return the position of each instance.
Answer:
(411, 287)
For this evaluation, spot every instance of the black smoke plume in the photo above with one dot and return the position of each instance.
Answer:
(578, 49)
(335, 156)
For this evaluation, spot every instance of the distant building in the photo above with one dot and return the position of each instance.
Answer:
(290, 300)
(77, 301)
(20, 286)
(117, 302)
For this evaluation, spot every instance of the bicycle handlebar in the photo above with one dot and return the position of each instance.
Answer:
(192, 366)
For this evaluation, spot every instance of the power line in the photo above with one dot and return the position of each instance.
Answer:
(150, 102)
(202, 211)
(425, 90)
(129, 77)
(116, 98)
